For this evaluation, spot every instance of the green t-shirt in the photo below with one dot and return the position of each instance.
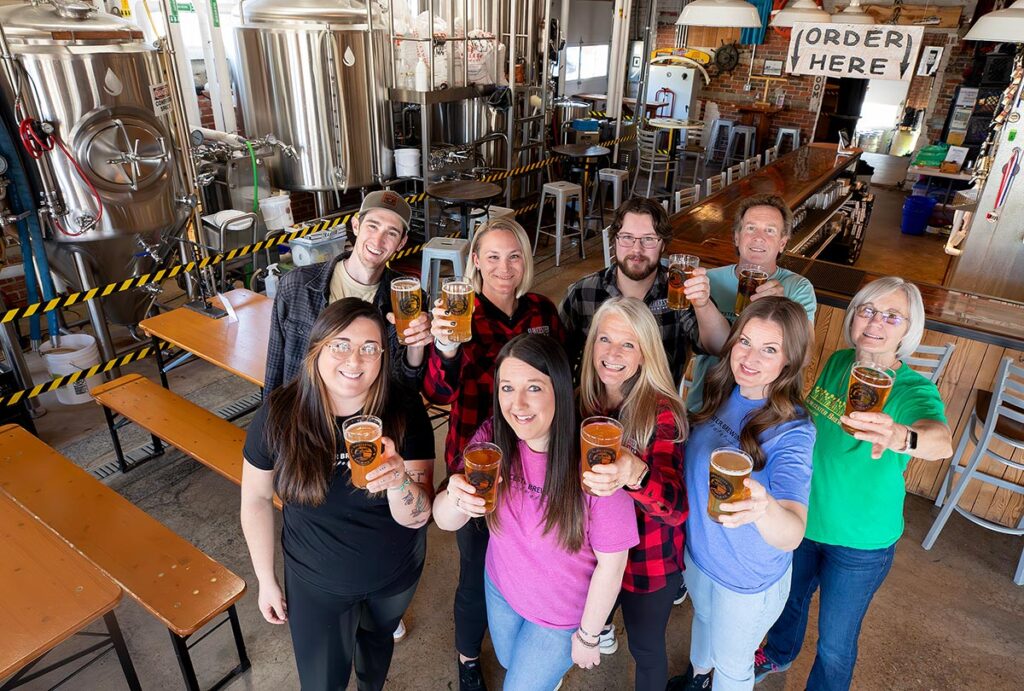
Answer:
(724, 285)
(857, 501)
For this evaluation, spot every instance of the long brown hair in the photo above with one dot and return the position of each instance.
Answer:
(301, 428)
(562, 495)
(783, 400)
(647, 390)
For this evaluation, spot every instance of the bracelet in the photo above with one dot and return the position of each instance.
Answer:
(585, 633)
(401, 487)
(584, 643)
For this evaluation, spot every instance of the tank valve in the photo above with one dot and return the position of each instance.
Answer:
(85, 222)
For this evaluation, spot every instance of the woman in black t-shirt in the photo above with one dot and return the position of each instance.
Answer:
(352, 557)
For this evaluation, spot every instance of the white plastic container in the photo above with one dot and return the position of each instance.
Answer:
(422, 79)
(407, 162)
(318, 247)
(277, 211)
(76, 352)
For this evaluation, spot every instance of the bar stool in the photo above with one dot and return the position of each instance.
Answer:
(650, 161)
(792, 132)
(734, 173)
(716, 144)
(714, 184)
(561, 192)
(437, 250)
(931, 361)
(1001, 415)
(492, 213)
(749, 135)
(753, 163)
(770, 154)
(686, 197)
(618, 180)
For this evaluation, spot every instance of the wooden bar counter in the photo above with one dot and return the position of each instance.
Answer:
(984, 329)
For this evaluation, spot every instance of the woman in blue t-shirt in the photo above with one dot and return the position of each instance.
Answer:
(738, 568)
(352, 557)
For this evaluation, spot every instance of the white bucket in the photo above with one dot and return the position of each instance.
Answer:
(407, 162)
(76, 352)
(277, 211)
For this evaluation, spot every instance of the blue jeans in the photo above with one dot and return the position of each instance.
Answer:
(848, 579)
(535, 657)
(728, 626)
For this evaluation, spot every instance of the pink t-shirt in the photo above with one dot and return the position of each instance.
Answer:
(541, 581)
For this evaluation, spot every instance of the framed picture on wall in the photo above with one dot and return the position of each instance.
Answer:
(772, 68)
(929, 65)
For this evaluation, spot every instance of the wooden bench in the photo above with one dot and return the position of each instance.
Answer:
(197, 432)
(172, 579)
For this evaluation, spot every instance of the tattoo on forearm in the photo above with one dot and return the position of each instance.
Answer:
(407, 499)
(417, 476)
(421, 505)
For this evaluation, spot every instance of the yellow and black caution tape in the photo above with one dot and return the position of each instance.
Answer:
(68, 379)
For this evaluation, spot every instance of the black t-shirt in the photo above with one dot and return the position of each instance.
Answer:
(350, 544)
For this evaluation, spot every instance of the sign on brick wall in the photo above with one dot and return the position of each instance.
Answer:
(856, 51)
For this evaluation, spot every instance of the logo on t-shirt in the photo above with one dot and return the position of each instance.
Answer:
(600, 455)
(362, 452)
(659, 306)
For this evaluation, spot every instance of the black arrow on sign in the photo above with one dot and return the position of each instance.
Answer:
(796, 51)
(906, 56)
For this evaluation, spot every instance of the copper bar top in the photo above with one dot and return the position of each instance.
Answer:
(706, 230)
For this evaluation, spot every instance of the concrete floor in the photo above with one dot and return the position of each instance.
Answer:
(948, 618)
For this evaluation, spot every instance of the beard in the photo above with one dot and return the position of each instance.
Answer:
(641, 272)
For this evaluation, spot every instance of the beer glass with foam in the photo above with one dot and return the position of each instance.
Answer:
(600, 439)
(362, 441)
(729, 468)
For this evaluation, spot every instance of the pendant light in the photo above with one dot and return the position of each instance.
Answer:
(800, 11)
(853, 14)
(734, 13)
(1005, 25)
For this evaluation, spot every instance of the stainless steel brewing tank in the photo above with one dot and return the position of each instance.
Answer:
(94, 77)
(311, 72)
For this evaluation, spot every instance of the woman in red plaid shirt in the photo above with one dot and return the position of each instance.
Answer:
(625, 374)
(500, 267)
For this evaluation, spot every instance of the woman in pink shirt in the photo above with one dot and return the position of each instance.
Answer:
(556, 555)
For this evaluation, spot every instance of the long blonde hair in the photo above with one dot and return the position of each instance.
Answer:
(646, 390)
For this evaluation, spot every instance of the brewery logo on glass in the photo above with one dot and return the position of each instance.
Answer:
(720, 487)
(863, 396)
(362, 452)
(481, 480)
(600, 455)
(458, 304)
(409, 303)
(676, 277)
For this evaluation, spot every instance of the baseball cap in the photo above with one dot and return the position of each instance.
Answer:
(389, 201)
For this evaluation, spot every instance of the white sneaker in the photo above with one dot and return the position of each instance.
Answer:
(606, 641)
(401, 631)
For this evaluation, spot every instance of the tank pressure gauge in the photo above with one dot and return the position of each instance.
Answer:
(3, 166)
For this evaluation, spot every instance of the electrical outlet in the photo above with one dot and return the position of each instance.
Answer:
(746, 87)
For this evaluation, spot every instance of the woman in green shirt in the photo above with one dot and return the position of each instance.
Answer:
(855, 514)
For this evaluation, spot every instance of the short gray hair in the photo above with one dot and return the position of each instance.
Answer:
(473, 276)
(883, 286)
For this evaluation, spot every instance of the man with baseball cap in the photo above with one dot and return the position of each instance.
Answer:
(381, 228)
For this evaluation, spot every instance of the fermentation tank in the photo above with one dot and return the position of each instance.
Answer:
(313, 73)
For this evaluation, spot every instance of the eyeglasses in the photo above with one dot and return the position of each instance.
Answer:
(891, 318)
(343, 349)
(648, 242)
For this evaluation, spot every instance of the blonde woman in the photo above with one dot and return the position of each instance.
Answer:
(625, 375)
(500, 267)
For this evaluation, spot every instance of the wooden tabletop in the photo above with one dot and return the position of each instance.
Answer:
(581, 150)
(674, 123)
(706, 231)
(48, 592)
(239, 347)
(456, 191)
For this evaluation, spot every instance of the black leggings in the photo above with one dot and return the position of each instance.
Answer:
(646, 618)
(330, 631)
(470, 605)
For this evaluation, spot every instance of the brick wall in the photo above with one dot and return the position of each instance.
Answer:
(961, 57)
(14, 292)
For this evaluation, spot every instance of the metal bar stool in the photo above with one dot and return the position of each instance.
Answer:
(1001, 415)
(792, 132)
(437, 250)
(618, 179)
(721, 133)
(561, 192)
(650, 161)
(749, 135)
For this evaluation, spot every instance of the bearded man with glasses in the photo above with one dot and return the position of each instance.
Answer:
(639, 233)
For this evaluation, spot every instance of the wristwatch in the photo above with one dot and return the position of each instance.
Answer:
(911, 440)
(640, 480)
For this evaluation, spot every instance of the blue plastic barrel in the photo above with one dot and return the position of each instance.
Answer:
(916, 212)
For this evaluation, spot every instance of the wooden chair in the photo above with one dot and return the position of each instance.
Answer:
(195, 431)
(753, 163)
(734, 173)
(168, 576)
(714, 184)
(686, 197)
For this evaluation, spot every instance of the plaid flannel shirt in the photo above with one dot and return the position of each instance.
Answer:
(301, 296)
(678, 328)
(466, 381)
(661, 509)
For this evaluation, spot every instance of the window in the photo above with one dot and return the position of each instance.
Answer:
(586, 62)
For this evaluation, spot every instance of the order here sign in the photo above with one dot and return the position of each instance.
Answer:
(857, 51)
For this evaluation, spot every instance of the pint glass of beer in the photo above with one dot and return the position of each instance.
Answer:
(868, 389)
(458, 300)
(600, 438)
(750, 277)
(729, 468)
(362, 441)
(483, 461)
(680, 268)
(405, 303)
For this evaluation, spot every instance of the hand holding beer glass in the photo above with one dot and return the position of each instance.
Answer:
(458, 296)
(680, 268)
(868, 390)
(363, 443)
(729, 467)
(482, 463)
(406, 304)
(751, 277)
(600, 441)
